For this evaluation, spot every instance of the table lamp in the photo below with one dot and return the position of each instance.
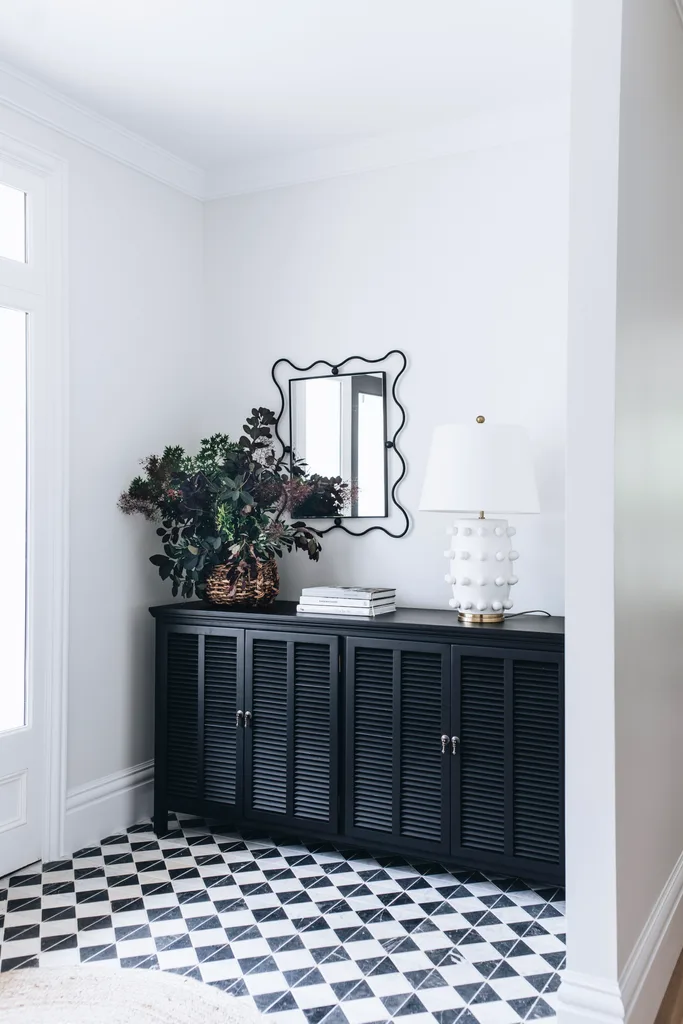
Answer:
(477, 470)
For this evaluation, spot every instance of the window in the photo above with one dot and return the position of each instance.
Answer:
(13, 515)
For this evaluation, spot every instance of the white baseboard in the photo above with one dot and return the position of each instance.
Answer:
(107, 805)
(583, 999)
(636, 998)
(649, 967)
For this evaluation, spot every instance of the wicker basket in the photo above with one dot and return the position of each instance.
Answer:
(251, 586)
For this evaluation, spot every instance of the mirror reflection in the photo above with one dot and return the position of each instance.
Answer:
(338, 428)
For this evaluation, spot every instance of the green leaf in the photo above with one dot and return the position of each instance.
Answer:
(159, 560)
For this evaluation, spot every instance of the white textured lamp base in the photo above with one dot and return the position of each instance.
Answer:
(481, 568)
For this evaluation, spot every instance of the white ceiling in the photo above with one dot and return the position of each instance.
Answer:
(221, 83)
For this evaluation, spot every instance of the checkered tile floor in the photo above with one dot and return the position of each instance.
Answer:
(309, 933)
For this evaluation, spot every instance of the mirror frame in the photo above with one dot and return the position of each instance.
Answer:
(390, 444)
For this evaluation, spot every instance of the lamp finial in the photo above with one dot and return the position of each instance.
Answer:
(480, 419)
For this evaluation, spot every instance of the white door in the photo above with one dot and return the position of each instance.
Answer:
(22, 690)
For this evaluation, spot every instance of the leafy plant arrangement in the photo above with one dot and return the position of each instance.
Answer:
(229, 503)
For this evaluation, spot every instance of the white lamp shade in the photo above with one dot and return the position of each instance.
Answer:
(480, 468)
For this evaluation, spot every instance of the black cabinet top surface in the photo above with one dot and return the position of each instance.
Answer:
(433, 623)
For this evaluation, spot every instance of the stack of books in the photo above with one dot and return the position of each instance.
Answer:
(363, 601)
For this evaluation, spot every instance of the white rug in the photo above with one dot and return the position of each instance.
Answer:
(96, 995)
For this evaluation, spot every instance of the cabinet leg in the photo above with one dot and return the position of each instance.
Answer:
(160, 820)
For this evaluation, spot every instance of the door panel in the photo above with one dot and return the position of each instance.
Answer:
(508, 775)
(481, 730)
(199, 743)
(223, 661)
(291, 713)
(22, 696)
(537, 760)
(182, 683)
(370, 753)
(312, 726)
(267, 698)
(398, 770)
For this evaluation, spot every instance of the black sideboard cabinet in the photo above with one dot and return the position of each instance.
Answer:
(408, 733)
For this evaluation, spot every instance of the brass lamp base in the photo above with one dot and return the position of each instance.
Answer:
(481, 616)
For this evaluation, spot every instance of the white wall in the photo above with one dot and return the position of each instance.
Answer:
(649, 469)
(590, 985)
(135, 331)
(461, 262)
(624, 490)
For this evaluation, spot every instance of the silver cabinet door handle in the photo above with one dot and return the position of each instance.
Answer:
(444, 743)
(455, 743)
(239, 718)
(247, 719)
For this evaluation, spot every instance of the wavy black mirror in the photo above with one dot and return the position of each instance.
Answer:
(344, 426)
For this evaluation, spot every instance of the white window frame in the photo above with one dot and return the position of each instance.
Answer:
(39, 287)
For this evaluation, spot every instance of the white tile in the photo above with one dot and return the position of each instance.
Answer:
(268, 981)
(498, 1012)
(97, 937)
(496, 932)
(389, 984)
(310, 996)
(364, 949)
(293, 960)
(60, 958)
(157, 900)
(340, 970)
(17, 918)
(245, 948)
(220, 970)
(319, 938)
(463, 973)
(167, 926)
(287, 1017)
(136, 947)
(429, 940)
(364, 902)
(477, 951)
(170, 958)
(301, 910)
(125, 917)
(411, 961)
(389, 930)
(207, 937)
(20, 947)
(275, 929)
(443, 998)
(512, 988)
(530, 964)
(363, 1011)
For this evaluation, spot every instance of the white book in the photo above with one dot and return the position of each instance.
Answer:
(359, 613)
(355, 603)
(350, 593)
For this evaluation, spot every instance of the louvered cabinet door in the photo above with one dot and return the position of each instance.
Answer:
(508, 770)
(397, 765)
(291, 729)
(198, 746)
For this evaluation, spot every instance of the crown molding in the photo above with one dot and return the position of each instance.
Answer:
(33, 99)
(506, 127)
